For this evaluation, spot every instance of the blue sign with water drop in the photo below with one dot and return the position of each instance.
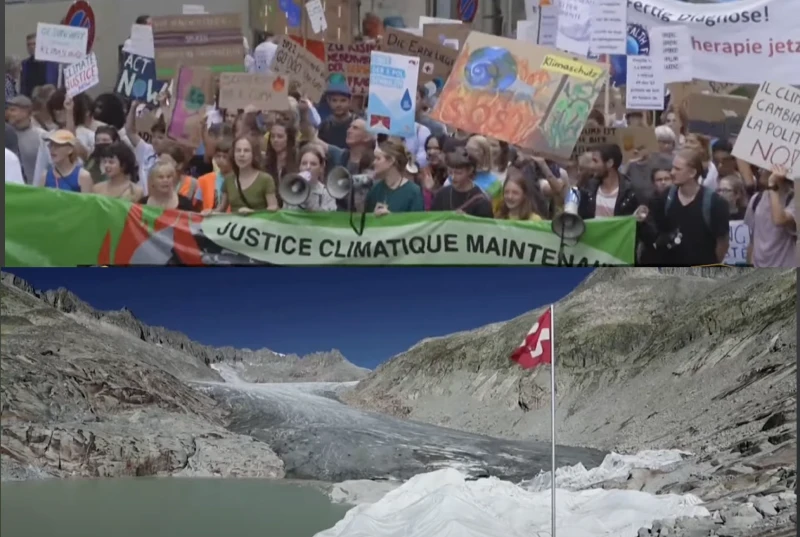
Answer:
(137, 79)
(392, 94)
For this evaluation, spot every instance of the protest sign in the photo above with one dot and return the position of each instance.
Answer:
(194, 87)
(114, 232)
(645, 88)
(527, 95)
(193, 9)
(316, 16)
(574, 26)
(448, 35)
(541, 26)
(674, 45)
(352, 63)
(745, 41)
(237, 91)
(137, 79)
(299, 65)
(435, 60)
(634, 141)
(609, 27)
(392, 94)
(59, 43)
(144, 125)
(213, 41)
(716, 115)
(142, 40)
(771, 132)
(81, 75)
(738, 242)
(296, 22)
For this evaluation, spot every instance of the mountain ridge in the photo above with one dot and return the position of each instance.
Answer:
(253, 365)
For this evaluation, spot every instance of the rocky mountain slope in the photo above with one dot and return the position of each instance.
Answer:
(697, 359)
(101, 394)
(261, 365)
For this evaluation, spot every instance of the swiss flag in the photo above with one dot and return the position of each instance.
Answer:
(537, 347)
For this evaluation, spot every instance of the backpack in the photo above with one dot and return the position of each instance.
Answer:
(706, 209)
(758, 197)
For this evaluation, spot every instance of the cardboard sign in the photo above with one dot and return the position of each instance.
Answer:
(198, 40)
(531, 96)
(716, 115)
(59, 43)
(436, 61)
(770, 135)
(448, 35)
(296, 22)
(739, 241)
(137, 79)
(632, 140)
(81, 76)
(194, 87)
(351, 62)
(301, 67)
(266, 92)
(144, 125)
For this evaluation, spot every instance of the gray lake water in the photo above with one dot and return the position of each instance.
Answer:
(166, 507)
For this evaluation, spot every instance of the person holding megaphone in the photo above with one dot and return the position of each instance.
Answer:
(305, 190)
(394, 193)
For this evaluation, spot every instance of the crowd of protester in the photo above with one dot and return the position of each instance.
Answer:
(683, 195)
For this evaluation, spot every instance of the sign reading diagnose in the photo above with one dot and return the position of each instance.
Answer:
(392, 94)
(59, 43)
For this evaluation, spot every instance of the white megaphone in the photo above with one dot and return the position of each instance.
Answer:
(568, 225)
(294, 188)
(340, 182)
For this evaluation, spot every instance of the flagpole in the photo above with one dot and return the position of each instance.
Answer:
(552, 421)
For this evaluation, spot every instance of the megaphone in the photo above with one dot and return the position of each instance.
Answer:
(340, 182)
(568, 225)
(294, 188)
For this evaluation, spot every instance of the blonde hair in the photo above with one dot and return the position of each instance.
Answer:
(164, 164)
(481, 150)
(397, 151)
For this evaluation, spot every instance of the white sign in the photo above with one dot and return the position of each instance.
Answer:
(81, 75)
(193, 9)
(739, 240)
(142, 40)
(771, 132)
(674, 44)
(316, 15)
(528, 31)
(609, 27)
(743, 41)
(574, 26)
(541, 29)
(60, 43)
(392, 94)
(645, 88)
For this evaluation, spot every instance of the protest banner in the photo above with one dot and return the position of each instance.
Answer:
(137, 79)
(673, 45)
(114, 232)
(213, 41)
(633, 141)
(194, 88)
(81, 75)
(301, 67)
(716, 115)
(350, 62)
(59, 43)
(645, 89)
(436, 61)
(744, 41)
(527, 95)
(392, 94)
(574, 26)
(295, 21)
(738, 242)
(771, 132)
(237, 91)
(609, 27)
(448, 35)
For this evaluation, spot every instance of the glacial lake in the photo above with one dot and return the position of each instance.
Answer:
(165, 507)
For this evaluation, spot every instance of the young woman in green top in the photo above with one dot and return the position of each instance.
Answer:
(393, 193)
(248, 188)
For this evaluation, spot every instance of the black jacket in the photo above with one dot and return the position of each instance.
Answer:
(627, 201)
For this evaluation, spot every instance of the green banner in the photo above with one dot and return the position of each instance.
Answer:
(51, 228)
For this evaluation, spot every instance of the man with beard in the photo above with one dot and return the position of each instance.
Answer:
(609, 193)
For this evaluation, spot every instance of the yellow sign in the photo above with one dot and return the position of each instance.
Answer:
(556, 64)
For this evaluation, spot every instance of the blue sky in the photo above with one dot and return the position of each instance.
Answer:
(370, 314)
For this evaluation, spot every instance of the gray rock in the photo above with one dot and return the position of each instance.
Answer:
(766, 505)
(644, 532)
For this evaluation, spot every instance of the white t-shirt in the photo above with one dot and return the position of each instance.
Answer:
(605, 203)
(13, 169)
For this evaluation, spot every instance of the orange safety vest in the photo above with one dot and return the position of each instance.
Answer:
(207, 185)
